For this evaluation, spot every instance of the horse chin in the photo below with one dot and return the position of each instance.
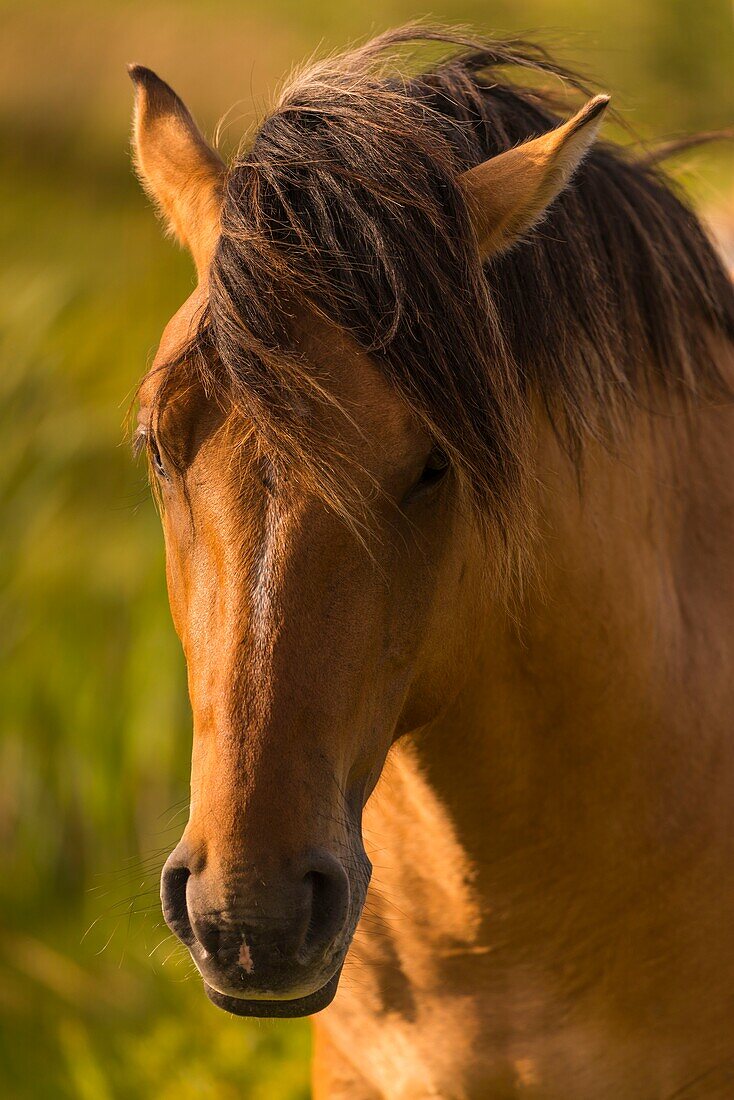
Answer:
(272, 1009)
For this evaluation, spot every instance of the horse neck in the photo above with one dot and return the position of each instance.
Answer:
(588, 754)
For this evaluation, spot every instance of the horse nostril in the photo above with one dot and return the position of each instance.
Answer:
(329, 905)
(175, 882)
(173, 899)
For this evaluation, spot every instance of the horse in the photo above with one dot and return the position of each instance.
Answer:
(443, 443)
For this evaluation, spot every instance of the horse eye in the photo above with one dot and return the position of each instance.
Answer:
(435, 470)
(155, 457)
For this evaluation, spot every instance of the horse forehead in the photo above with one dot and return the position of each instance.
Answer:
(354, 379)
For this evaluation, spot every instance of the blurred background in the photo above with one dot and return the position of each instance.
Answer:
(96, 1002)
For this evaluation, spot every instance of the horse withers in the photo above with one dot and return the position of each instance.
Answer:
(443, 446)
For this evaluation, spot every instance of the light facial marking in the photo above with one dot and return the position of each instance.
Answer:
(268, 557)
(245, 959)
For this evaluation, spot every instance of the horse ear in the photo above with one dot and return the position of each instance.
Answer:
(178, 169)
(509, 193)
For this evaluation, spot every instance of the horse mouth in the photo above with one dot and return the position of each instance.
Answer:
(276, 1009)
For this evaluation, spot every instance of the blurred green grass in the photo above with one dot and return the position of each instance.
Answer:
(95, 999)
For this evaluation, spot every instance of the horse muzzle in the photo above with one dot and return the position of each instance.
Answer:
(265, 944)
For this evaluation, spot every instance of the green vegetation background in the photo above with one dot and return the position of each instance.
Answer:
(95, 1000)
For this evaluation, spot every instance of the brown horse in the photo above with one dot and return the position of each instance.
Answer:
(444, 451)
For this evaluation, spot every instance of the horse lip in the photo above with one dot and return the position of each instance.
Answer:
(271, 1008)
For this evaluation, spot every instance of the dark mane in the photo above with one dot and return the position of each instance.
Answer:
(346, 205)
